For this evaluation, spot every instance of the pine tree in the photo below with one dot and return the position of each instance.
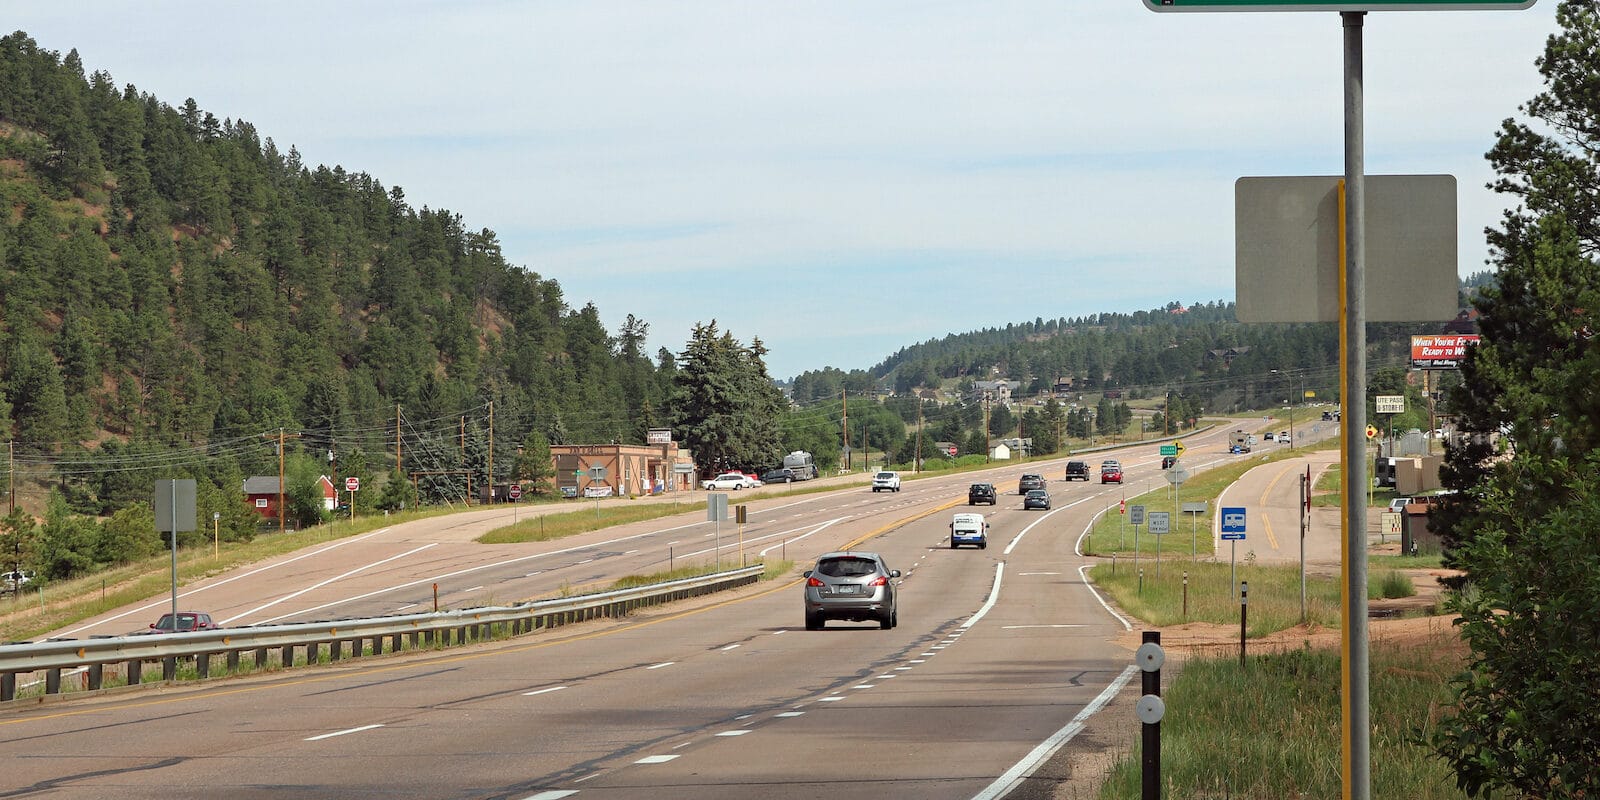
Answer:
(1522, 520)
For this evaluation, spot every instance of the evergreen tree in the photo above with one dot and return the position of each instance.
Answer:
(533, 465)
(1522, 520)
(725, 408)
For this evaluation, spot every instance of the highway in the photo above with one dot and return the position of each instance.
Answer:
(1001, 658)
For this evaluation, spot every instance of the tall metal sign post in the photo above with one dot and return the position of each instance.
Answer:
(173, 502)
(1356, 766)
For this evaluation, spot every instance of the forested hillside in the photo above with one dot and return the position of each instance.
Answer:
(1199, 350)
(176, 288)
(178, 294)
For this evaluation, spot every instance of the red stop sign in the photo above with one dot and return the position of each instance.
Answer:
(514, 491)
(352, 484)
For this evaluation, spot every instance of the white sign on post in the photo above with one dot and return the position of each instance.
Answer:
(1160, 521)
(1390, 403)
(1135, 515)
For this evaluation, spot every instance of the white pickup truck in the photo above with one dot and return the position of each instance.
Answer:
(731, 480)
(886, 482)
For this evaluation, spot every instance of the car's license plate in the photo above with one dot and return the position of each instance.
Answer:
(846, 589)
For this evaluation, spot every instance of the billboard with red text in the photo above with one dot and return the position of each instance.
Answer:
(1442, 351)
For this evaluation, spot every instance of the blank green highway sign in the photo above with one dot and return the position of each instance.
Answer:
(1331, 5)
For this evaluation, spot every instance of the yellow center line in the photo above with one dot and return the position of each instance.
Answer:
(1265, 522)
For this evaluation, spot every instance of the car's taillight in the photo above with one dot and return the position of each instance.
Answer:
(814, 582)
(879, 581)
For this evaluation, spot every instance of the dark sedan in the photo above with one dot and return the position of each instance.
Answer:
(1036, 498)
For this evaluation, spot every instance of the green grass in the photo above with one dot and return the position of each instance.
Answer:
(1111, 535)
(589, 517)
(41, 609)
(1210, 594)
(1271, 728)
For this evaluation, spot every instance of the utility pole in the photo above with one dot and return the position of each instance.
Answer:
(845, 424)
(918, 466)
(491, 451)
(11, 475)
(281, 436)
(397, 439)
(985, 427)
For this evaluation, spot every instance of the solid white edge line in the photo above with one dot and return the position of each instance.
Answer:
(1049, 747)
(994, 596)
(553, 794)
(341, 733)
(1083, 572)
(543, 691)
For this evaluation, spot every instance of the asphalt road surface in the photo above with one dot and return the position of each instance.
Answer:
(1002, 657)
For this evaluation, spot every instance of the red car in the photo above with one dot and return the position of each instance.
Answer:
(1110, 474)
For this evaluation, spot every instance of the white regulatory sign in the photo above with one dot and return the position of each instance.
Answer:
(1390, 403)
(1160, 521)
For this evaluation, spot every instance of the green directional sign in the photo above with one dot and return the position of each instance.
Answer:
(1169, 449)
(1332, 5)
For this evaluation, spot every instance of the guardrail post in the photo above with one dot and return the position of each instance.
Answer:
(202, 665)
(233, 661)
(261, 658)
(135, 672)
(52, 681)
(169, 668)
(286, 656)
(8, 686)
(335, 650)
(96, 675)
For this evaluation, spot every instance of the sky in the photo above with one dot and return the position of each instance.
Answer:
(837, 179)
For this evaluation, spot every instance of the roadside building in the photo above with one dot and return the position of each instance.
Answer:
(604, 470)
(261, 492)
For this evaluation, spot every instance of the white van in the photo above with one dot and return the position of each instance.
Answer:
(969, 528)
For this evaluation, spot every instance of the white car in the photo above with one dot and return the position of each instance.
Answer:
(731, 480)
(886, 482)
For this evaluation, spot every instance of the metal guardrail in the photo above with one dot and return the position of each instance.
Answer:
(276, 646)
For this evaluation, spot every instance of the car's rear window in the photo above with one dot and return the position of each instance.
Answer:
(847, 567)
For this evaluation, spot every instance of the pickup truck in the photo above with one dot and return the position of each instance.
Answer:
(731, 480)
(886, 482)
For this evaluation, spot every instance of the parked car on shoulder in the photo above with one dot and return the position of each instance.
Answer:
(779, 475)
(1029, 481)
(851, 585)
(981, 493)
(1077, 470)
(886, 481)
(1036, 498)
(730, 480)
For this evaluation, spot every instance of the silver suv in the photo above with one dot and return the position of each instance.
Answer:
(853, 585)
